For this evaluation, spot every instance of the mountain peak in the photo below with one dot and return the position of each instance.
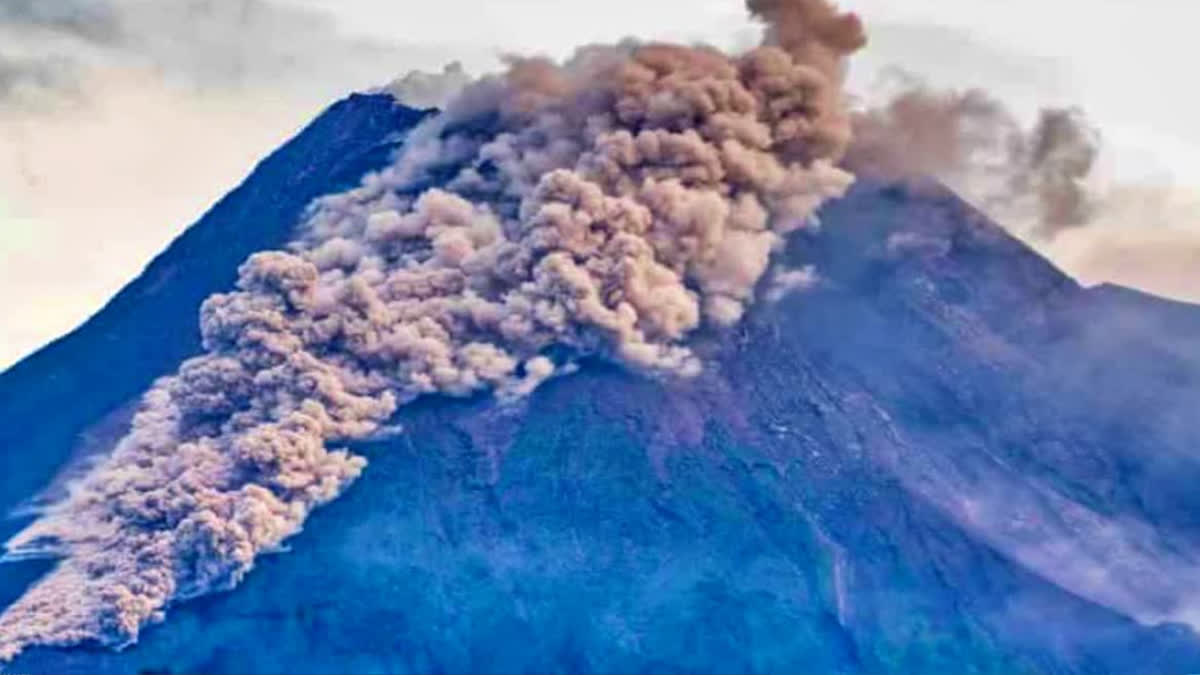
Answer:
(916, 460)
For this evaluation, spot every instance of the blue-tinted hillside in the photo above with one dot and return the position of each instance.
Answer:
(50, 398)
(945, 457)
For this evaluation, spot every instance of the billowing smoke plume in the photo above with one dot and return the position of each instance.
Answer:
(1044, 182)
(608, 206)
(1035, 180)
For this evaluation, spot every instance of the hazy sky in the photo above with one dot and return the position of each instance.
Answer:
(121, 121)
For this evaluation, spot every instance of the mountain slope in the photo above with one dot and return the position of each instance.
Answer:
(150, 326)
(945, 457)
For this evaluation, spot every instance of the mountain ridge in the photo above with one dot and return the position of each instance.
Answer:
(804, 505)
(352, 137)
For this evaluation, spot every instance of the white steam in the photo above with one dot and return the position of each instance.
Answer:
(419, 89)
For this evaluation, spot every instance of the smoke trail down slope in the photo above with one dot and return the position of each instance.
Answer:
(611, 205)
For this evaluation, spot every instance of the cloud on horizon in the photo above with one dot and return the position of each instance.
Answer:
(126, 119)
(123, 120)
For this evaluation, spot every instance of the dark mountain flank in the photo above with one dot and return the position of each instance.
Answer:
(944, 456)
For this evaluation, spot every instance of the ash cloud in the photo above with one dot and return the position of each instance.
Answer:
(1045, 181)
(611, 205)
(1035, 179)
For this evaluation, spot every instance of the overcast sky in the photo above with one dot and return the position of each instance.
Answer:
(121, 121)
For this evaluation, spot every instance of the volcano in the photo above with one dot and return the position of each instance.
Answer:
(941, 455)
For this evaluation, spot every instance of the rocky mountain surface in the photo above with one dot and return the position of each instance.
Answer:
(942, 456)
